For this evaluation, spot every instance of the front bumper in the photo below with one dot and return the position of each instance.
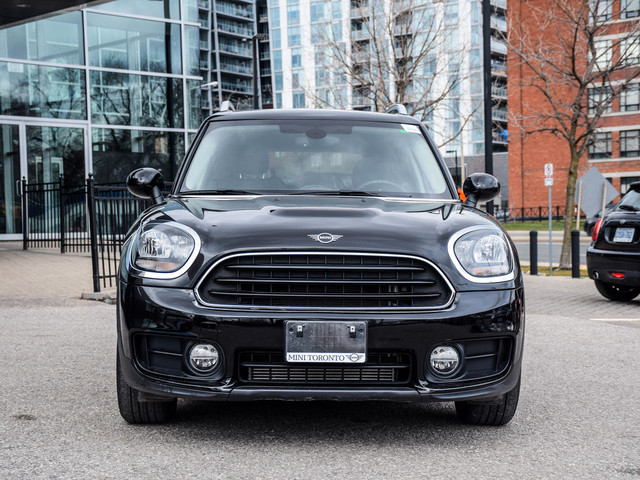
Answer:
(475, 318)
(602, 263)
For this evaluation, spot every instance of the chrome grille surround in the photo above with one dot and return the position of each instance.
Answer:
(400, 289)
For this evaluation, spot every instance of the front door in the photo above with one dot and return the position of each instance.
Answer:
(40, 153)
(10, 175)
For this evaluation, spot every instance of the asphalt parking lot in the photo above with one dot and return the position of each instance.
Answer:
(578, 415)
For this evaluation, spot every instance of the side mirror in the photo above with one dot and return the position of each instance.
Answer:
(635, 186)
(146, 183)
(480, 187)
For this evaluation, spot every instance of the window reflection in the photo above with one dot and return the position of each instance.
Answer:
(55, 151)
(137, 100)
(132, 44)
(117, 152)
(38, 91)
(195, 96)
(56, 39)
(148, 8)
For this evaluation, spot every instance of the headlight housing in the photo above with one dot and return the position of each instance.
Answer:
(482, 255)
(164, 250)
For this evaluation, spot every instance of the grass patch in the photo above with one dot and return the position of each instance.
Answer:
(544, 271)
(540, 226)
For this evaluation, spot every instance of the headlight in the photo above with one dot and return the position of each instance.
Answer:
(482, 255)
(165, 249)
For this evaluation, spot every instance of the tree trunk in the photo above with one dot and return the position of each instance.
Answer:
(565, 254)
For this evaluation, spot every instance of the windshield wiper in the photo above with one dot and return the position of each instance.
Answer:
(628, 207)
(337, 193)
(223, 191)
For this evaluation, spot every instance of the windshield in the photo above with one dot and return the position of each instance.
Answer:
(315, 156)
(631, 201)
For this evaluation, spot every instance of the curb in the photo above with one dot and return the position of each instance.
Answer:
(106, 297)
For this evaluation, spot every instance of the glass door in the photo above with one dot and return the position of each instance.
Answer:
(53, 151)
(10, 205)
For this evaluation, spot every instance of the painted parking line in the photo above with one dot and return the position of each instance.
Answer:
(616, 319)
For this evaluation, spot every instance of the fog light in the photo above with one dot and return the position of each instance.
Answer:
(444, 360)
(203, 357)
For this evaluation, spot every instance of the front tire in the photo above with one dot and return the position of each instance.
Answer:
(498, 413)
(134, 411)
(618, 293)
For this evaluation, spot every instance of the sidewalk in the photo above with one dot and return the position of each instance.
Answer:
(43, 272)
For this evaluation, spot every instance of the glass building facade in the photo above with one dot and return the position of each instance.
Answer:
(101, 90)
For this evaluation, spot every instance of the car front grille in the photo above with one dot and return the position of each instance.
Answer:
(325, 280)
(270, 368)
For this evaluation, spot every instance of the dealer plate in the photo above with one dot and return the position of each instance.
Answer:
(325, 342)
(624, 235)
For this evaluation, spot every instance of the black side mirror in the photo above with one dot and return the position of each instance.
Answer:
(146, 183)
(480, 187)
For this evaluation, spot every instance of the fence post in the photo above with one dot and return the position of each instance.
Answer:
(533, 252)
(61, 206)
(25, 219)
(91, 210)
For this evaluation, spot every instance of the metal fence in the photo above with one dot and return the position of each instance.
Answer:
(81, 218)
(54, 215)
(529, 214)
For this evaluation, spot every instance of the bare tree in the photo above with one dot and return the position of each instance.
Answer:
(575, 61)
(400, 52)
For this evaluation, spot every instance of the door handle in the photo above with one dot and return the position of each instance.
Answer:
(19, 187)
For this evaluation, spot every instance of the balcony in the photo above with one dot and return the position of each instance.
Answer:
(499, 114)
(264, 18)
(498, 47)
(499, 92)
(235, 29)
(265, 55)
(265, 71)
(498, 68)
(358, 35)
(204, 45)
(360, 12)
(499, 24)
(204, 65)
(499, 3)
(234, 10)
(204, 4)
(498, 138)
(204, 23)
(232, 49)
(236, 68)
(237, 87)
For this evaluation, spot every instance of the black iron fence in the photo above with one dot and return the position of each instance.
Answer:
(81, 218)
(529, 214)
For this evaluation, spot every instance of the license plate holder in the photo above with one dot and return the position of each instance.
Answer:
(325, 341)
(624, 235)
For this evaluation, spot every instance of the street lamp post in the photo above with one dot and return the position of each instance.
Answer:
(211, 86)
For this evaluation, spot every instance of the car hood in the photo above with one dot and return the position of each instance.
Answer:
(363, 224)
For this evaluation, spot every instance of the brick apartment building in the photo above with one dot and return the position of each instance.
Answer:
(616, 151)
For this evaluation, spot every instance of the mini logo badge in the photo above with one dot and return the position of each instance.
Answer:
(325, 237)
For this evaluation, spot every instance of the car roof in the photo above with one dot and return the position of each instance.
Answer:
(313, 114)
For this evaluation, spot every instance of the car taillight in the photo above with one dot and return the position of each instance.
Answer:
(596, 229)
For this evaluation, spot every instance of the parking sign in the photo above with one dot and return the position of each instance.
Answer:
(548, 174)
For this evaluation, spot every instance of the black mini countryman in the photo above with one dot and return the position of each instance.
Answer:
(317, 255)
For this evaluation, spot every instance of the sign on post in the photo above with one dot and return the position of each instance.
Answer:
(548, 182)
(548, 174)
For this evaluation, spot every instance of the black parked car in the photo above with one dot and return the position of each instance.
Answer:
(613, 258)
(317, 255)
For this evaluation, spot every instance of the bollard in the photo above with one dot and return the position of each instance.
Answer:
(533, 251)
(575, 253)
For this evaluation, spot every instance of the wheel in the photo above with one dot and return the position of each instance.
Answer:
(134, 411)
(618, 293)
(498, 413)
